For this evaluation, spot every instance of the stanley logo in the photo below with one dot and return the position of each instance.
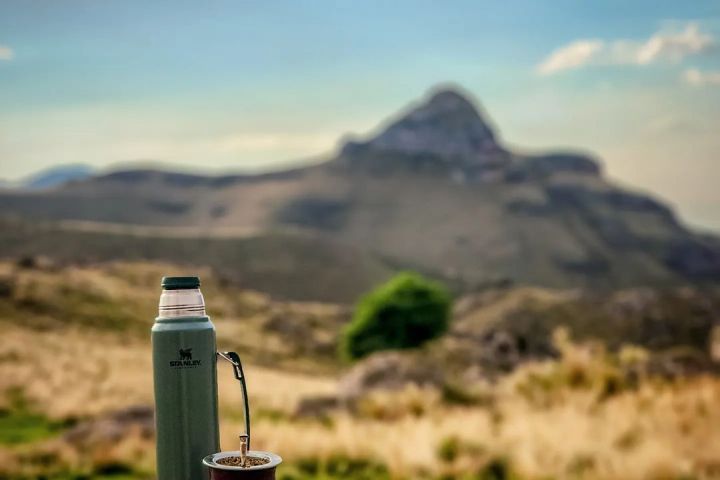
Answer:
(185, 359)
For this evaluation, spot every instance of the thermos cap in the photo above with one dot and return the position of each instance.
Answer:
(180, 283)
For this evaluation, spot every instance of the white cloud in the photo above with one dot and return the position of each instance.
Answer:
(674, 46)
(662, 46)
(695, 77)
(570, 56)
(6, 53)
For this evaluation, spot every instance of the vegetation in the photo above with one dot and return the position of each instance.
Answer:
(20, 424)
(276, 263)
(405, 312)
(589, 413)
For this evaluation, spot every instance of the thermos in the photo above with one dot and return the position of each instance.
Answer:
(185, 378)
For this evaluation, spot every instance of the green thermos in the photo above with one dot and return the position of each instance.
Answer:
(185, 379)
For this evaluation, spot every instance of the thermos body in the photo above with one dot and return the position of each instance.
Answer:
(186, 405)
(186, 416)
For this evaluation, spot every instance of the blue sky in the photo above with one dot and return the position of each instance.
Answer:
(257, 85)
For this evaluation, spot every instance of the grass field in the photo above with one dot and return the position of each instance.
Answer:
(277, 262)
(88, 357)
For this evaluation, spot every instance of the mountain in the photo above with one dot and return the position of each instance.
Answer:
(56, 176)
(287, 265)
(434, 190)
(447, 125)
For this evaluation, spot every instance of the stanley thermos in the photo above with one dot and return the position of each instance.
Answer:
(185, 377)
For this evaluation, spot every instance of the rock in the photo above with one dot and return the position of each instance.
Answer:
(390, 371)
(7, 286)
(479, 355)
(634, 301)
(37, 262)
(112, 427)
(545, 165)
(501, 350)
(317, 406)
(448, 125)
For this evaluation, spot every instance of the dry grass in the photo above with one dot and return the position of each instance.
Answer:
(576, 417)
(72, 373)
(660, 430)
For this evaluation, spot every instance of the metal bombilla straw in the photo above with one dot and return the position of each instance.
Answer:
(234, 360)
(244, 438)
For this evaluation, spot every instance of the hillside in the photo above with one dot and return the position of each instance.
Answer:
(434, 190)
(122, 297)
(56, 176)
(477, 399)
(288, 265)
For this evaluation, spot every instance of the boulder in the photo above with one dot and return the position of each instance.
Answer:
(112, 427)
(391, 371)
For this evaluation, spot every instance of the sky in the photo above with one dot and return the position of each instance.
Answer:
(251, 86)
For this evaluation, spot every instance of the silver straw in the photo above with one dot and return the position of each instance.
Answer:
(243, 449)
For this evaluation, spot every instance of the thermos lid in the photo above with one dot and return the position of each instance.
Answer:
(180, 283)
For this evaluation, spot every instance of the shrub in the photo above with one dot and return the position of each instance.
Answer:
(403, 313)
(449, 449)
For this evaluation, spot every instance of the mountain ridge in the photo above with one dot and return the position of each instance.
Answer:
(52, 177)
(434, 189)
(447, 124)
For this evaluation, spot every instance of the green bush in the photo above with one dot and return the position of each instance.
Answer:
(405, 312)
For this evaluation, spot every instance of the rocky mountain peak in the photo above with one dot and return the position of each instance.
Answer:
(448, 101)
(447, 124)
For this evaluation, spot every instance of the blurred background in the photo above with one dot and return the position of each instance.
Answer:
(469, 240)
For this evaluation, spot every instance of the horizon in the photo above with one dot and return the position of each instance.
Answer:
(251, 88)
